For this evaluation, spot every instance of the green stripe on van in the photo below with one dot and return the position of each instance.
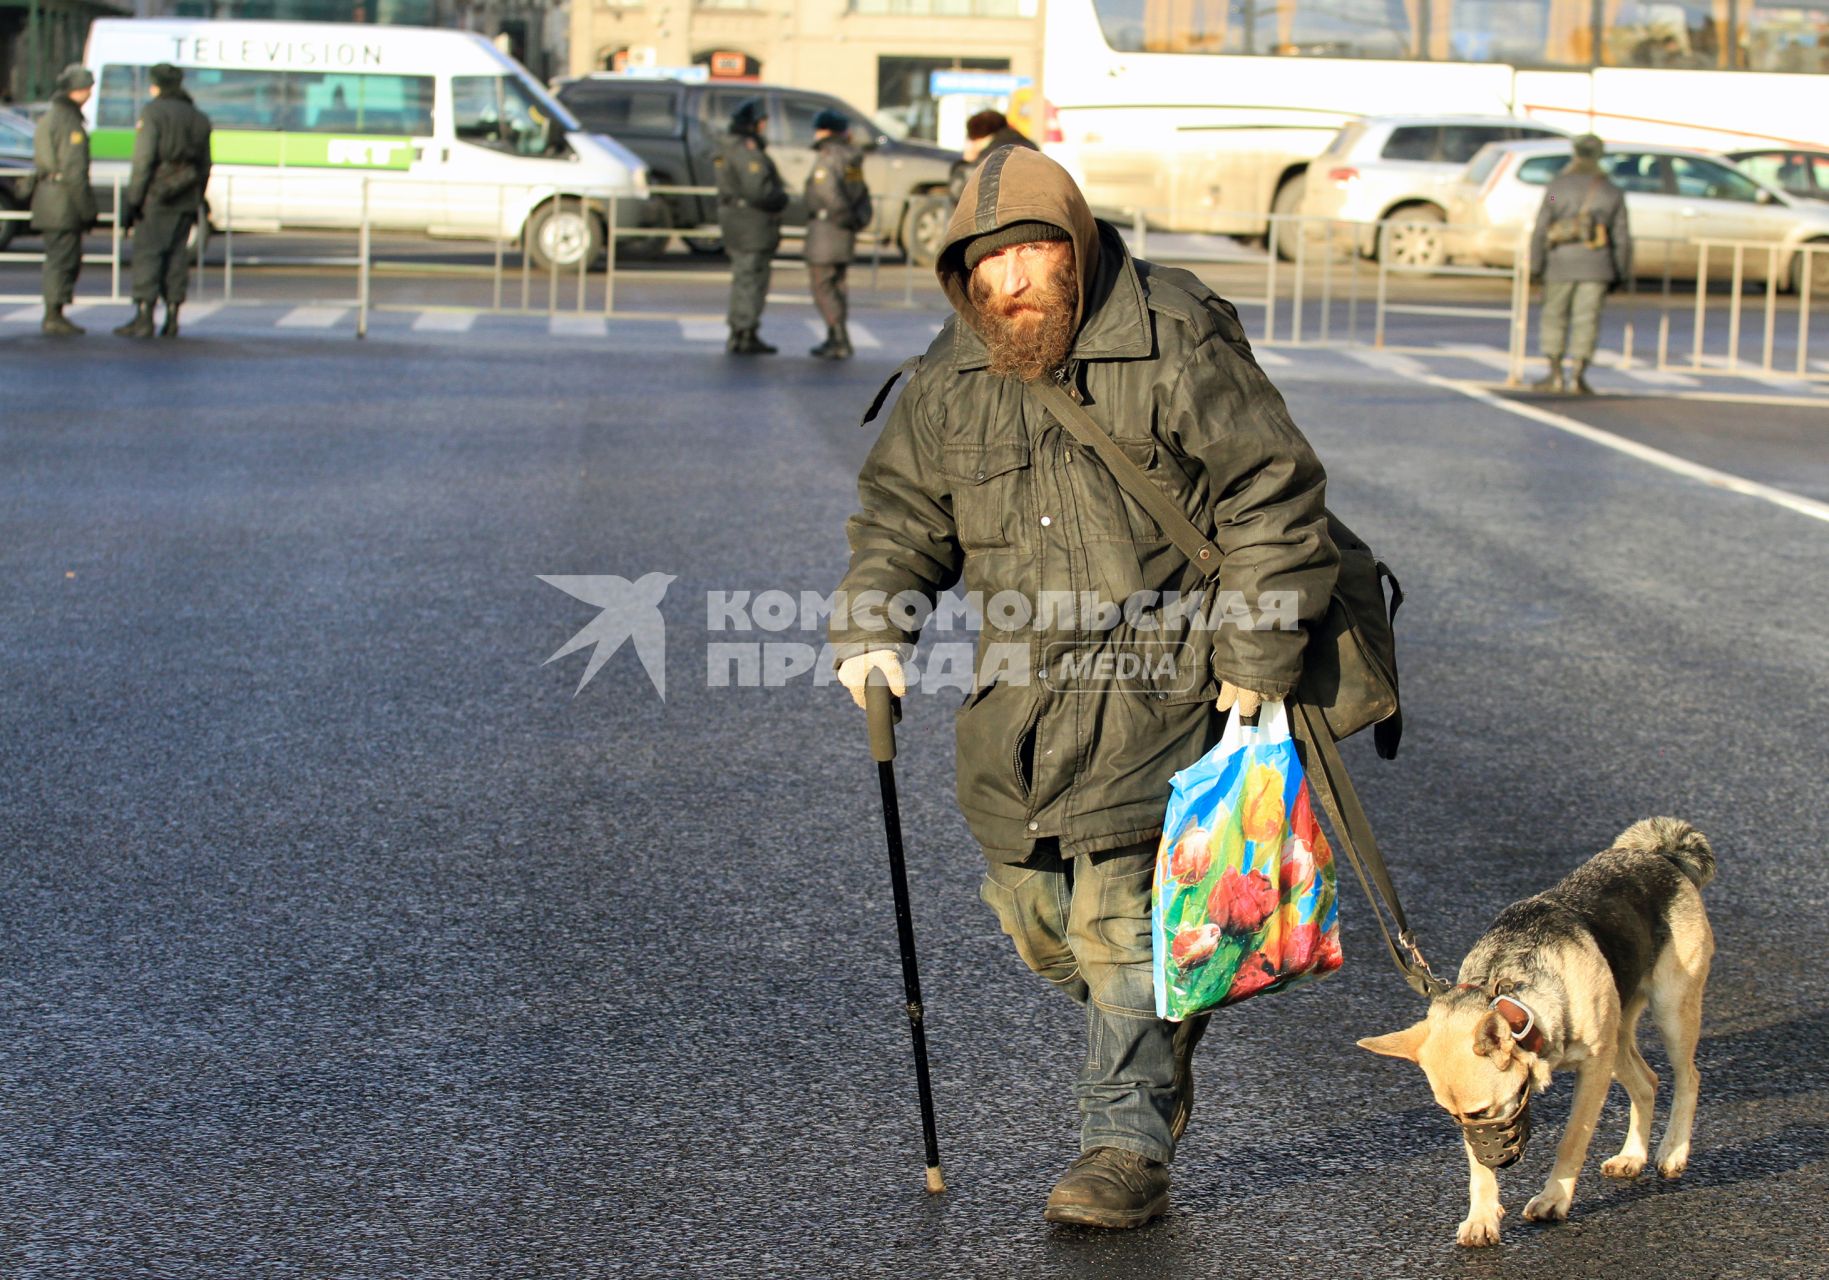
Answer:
(266, 149)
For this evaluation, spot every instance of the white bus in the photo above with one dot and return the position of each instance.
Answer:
(1204, 114)
(455, 137)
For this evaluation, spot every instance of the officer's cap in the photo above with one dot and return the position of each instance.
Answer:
(834, 121)
(75, 76)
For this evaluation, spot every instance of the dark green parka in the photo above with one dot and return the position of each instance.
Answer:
(62, 199)
(838, 201)
(172, 136)
(972, 478)
(751, 195)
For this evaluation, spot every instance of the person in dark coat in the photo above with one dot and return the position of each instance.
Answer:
(63, 202)
(990, 129)
(171, 168)
(1063, 778)
(1581, 248)
(751, 197)
(838, 207)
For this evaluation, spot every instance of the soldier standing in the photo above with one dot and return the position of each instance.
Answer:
(63, 203)
(838, 207)
(1581, 247)
(750, 200)
(171, 167)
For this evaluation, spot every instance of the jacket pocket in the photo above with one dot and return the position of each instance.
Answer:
(987, 491)
(1143, 526)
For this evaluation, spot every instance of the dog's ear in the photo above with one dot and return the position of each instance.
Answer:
(1404, 1044)
(1492, 1039)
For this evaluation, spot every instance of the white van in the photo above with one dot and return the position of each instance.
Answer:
(453, 135)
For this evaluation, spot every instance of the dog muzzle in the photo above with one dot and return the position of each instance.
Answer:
(1499, 1143)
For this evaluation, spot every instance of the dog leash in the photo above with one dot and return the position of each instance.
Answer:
(1333, 786)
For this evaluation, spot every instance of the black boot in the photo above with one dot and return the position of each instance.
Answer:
(59, 325)
(1552, 381)
(1580, 385)
(748, 344)
(141, 324)
(170, 328)
(825, 349)
(1110, 1187)
(734, 341)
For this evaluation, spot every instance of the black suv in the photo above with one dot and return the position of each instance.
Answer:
(676, 128)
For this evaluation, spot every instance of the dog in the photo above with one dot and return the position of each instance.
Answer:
(1559, 981)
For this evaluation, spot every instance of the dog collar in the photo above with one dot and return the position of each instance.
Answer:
(1522, 1020)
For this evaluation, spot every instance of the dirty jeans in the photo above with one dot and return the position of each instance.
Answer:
(1083, 924)
(1571, 310)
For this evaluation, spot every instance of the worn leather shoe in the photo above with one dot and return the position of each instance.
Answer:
(141, 324)
(1187, 1034)
(58, 325)
(1579, 384)
(1552, 381)
(170, 328)
(1111, 1188)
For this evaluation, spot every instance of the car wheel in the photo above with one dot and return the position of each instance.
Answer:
(924, 227)
(1414, 237)
(561, 235)
(1818, 268)
(653, 212)
(1288, 203)
(706, 245)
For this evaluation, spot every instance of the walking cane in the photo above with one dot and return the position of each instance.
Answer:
(881, 711)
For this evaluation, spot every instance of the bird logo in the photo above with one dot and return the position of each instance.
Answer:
(630, 611)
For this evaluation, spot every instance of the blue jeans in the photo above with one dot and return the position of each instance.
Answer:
(1083, 924)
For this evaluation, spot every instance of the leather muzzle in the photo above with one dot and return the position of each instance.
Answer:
(1499, 1143)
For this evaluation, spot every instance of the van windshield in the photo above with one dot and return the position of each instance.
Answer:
(507, 113)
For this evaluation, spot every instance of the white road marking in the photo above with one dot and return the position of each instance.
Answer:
(1632, 448)
(1392, 362)
(577, 326)
(1270, 359)
(24, 315)
(195, 311)
(312, 317)
(1491, 357)
(704, 330)
(444, 321)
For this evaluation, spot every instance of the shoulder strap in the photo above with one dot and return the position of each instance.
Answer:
(1333, 787)
(1194, 544)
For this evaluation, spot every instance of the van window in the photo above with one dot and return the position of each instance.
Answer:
(1410, 142)
(1539, 170)
(498, 112)
(1461, 141)
(618, 110)
(721, 104)
(359, 104)
(122, 90)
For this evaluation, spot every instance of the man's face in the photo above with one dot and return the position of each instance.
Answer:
(80, 96)
(1026, 297)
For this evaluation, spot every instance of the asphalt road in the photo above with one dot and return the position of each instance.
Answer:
(343, 934)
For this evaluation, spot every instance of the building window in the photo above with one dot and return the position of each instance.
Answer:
(945, 8)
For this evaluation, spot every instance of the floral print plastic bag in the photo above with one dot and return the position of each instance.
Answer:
(1244, 897)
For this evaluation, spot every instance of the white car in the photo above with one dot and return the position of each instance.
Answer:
(1674, 196)
(1402, 168)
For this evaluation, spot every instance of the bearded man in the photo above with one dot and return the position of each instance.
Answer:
(1063, 778)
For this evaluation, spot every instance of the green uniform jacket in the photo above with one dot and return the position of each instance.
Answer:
(62, 199)
(838, 202)
(750, 196)
(972, 479)
(171, 134)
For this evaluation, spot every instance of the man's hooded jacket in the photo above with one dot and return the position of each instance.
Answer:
(972, 479)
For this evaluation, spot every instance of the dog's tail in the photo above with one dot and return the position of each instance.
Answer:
(1674, 839)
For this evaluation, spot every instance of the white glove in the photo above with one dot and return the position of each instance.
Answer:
(854, 672)
(1229, 694)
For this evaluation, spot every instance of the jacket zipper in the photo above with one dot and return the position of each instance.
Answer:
(1023, 783)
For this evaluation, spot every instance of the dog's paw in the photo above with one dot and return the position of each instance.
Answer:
(1624, 1167)
(1547, 1207)
(1673, 1166)
(1479, 1230)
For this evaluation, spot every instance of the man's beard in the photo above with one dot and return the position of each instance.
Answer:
(1028, 336)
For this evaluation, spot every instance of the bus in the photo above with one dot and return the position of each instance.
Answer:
(449, 135)
(1202, 115)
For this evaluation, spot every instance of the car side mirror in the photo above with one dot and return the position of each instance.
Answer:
(1766, 197)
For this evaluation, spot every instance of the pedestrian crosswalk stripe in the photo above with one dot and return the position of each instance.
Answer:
(863, 339)
(576, 326)
(1270, 359)
(1491, 357)
(1659, 378)
(24, 314)
(703, 330)
(444, 321)
(195, 311)
(312, 317)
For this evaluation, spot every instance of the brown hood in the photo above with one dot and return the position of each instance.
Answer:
(1016, 184)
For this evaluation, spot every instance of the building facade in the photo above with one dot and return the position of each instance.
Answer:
(878, 55)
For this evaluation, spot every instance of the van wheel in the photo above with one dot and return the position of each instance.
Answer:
(561, 234)
(1415, 237)
(1819, 270)
(924, 227)
(1288, 203)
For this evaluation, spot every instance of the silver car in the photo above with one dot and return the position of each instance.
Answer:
(1401, 168)
(15, 164)
(1674, 197)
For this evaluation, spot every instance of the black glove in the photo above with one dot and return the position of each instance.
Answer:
(129, 216)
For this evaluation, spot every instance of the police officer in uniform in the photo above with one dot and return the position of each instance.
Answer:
(171, 167)
(63, 203)
(838, 207)
(1581, 248)
(750, 200)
